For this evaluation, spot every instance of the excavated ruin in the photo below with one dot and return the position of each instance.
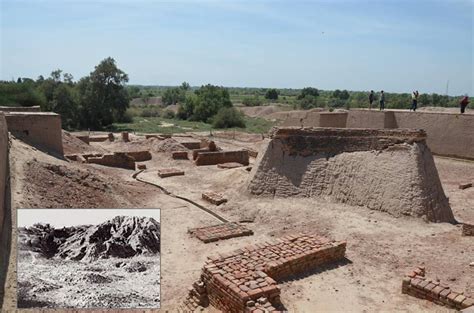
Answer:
(385, 170)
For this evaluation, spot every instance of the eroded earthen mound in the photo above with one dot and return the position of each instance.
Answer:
(386, 170)
(121, 237)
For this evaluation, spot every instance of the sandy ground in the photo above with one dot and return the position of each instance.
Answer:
(380, 249)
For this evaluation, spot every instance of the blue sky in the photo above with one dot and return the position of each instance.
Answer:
(397, 46)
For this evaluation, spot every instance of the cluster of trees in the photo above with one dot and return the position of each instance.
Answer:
(95, 101)
(211, 104)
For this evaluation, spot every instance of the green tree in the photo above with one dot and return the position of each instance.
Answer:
(271, 94)
(308, 91)
(228, 117)
(103, 97)
(173, 96)
(209, 100)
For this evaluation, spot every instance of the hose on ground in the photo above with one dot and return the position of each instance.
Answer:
(168, 193)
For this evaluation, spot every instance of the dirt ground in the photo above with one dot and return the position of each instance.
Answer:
(380, 248)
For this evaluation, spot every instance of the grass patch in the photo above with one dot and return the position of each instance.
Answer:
(146, 125)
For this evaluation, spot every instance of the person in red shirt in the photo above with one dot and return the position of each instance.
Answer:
(464, 102)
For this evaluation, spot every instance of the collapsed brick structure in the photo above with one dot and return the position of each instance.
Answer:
(217, 157)
(214, 198)
(220, 232)
(415, 284)
(353, 166)
(117, 159)
(168, 172)
(242, 280)
(467, 229)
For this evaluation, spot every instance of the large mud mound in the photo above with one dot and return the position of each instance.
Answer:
(120, 237)
(385, 170)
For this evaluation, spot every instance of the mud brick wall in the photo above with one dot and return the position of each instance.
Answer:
(139, 156)
(467, 229)
(4, 172)
(331, 141)
(192, 144)
(217, 157)
(84, 138)
(235, 281)
(38, 128)
(118, 159)
(415, 284)
(449, 134)
(220, 232)
(168, 172)
(98, 138)
(180, 155)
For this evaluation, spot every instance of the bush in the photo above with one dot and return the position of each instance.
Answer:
(227, 118)
(252, 101)
(271, 94)
(150, 112)
(169, 114)
(308, 102)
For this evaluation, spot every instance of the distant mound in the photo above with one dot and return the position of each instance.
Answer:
(120, 237)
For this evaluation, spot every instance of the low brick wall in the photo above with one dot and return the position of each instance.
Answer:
(125, 137)
(118, 159)
(84, 138)
(238, 281)
(168, 172)
(180, 155)
(415, 284)
(192, 144)
(4, 172)
(139, 156)
(218, 157)
(467, 229)
(220, 232)
(98, 138)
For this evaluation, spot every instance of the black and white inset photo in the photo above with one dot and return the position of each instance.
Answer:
(88, 258)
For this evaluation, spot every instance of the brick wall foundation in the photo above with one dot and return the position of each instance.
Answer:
(220, 232)
(415, 284)
(140, 156)
(180, 155)
(218, 157)
(168, 172)
(118, 159)
(245, 280)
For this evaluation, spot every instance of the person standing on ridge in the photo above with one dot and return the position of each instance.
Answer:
(414, 97)
(382, 101)
(464, 102)
(371, 99)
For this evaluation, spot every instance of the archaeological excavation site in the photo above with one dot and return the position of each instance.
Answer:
(356, 211)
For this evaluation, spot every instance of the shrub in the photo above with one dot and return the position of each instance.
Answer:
(252, 101)
(271, 94)
(227, 118)
(169, 114)
(150, 112)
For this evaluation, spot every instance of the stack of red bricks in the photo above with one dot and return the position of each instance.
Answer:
(213, 197)
(167, 172)
(244, 280)
(416, 285)
(220, 232)
(467, 229)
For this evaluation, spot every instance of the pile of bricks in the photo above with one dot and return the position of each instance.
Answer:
(180, 155)
(245, 280)
(467, 229)
(214, 198)
(220, 232)
(229, 165)
(168, 172)
(415, 284)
